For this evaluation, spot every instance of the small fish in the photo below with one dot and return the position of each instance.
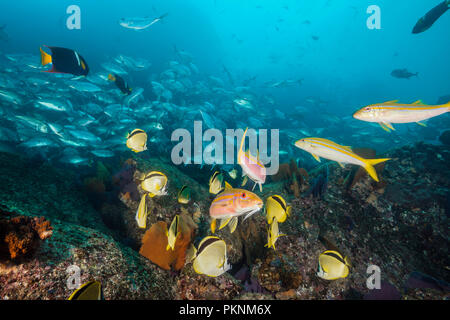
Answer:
(184, 195)
(244, 103)
(137, 140)
(172, 233)
(232, 203)
(141, 213)
(120, 83)
(103, 153)
(233, 173)
(140, 23)
(251, 166)
(216, 182)
(332, 265)
(155, 183)
(211, 257)
(330, 150)
(276, 209)
(390, 112)
(403, 74)
(431, 17)
(64, 61)
(273, 233)
(91, 290)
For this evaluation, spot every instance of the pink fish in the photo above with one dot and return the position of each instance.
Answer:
(251, 166)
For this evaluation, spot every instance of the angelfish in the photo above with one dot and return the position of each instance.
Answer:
(64, 60)
(431, 17)
(390, 112)
(251, 166)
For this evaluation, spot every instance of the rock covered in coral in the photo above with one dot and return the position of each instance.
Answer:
(445, 137)
(123, 273)
(53, 193)
(21, 236)
(192, 286)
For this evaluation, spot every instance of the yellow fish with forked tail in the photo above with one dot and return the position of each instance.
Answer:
(390, 112)
(327, 149)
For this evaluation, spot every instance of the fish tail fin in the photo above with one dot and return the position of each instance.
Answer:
(45, 57)
(448, 103)
(369, 166)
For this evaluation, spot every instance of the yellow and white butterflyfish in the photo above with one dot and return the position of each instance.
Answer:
(137, 140)
(276, 208)
(332, 265)
(155, 183)
(211, 257)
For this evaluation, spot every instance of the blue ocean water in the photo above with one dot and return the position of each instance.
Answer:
(341, 64)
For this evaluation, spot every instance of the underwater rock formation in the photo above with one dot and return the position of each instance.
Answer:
(192, 286)
(445, 137)
(21, 236)
(399, 225)
(123, 273)
(53, 193)
(295, 179)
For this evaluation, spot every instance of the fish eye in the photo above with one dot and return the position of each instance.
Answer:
(367, 108)
(243, 195)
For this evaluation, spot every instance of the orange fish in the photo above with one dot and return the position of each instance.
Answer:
(232, 203)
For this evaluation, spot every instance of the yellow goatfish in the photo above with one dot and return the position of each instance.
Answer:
(327, 149)
(390, 112)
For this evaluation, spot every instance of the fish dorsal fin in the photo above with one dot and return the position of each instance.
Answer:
(418, 103)
(392, 101)
(228, 186)
(348, 148)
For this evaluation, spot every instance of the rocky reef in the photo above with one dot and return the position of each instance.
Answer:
(399, 224)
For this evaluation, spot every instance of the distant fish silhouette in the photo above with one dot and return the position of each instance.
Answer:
(403, 74)
(431, 17)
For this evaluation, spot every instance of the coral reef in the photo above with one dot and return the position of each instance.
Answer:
(21, 236)
(295, 179)
(123, 273)
(399, 224)
(193, 286)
